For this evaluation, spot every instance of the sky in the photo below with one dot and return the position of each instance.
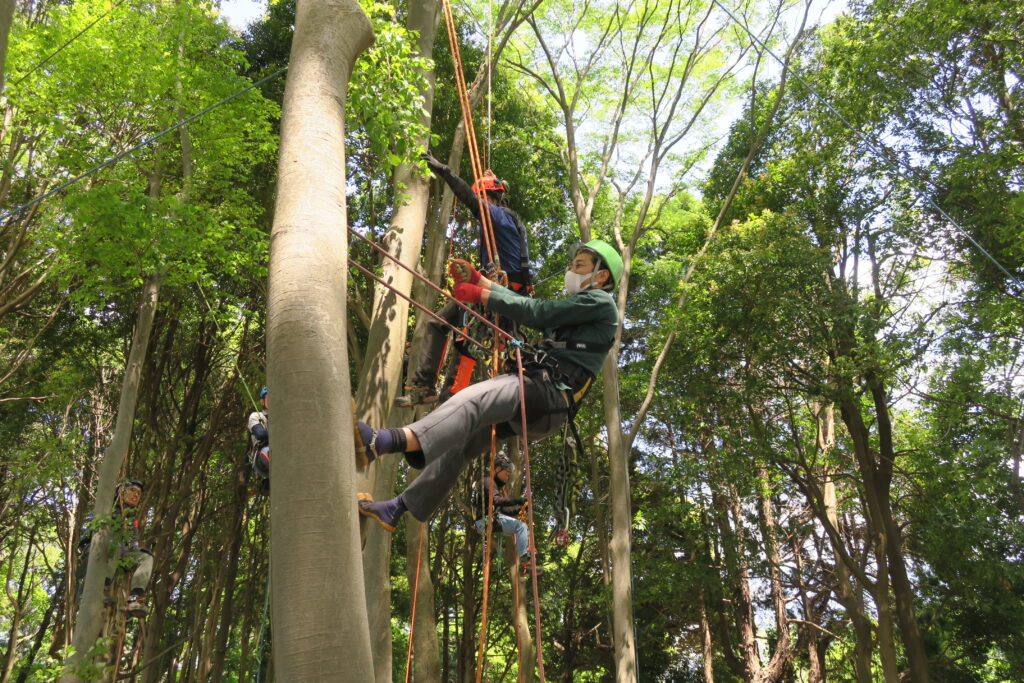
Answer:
(239, 13)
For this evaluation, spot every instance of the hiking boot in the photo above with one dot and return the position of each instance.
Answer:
(417, 396)
(136, 606)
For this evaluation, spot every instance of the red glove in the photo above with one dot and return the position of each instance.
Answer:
(462, 271)
(469, 293)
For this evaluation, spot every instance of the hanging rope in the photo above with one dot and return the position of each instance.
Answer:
(415, 593)
(471, 143)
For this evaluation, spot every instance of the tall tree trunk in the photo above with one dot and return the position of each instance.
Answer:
(382, 366)
(426, 659)
(6, 18)
(849, 597)
(624, 643)
(90, 611)
(319, 613)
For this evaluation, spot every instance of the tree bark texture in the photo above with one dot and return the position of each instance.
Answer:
(318, 610)
(623, 638)
(381, 375)
(90, 611)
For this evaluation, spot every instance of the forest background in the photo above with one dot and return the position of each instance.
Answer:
(804, 453)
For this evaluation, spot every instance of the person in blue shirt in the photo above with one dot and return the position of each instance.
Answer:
(513, 256)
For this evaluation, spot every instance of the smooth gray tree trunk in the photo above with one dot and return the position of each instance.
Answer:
(318, 610)
(90, 612)
(381, 376)
(6, 19)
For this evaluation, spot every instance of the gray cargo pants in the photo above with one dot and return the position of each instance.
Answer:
(460, 429)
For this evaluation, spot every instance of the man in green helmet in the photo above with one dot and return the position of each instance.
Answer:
(579, 329)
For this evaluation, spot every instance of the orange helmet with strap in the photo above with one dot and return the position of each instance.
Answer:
(490, 183)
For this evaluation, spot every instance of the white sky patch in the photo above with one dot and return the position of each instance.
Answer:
(240, 13)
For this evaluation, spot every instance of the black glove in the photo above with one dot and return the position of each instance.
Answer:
(432, 163)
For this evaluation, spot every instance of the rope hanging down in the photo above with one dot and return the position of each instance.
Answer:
(471, 143)
(880, 152)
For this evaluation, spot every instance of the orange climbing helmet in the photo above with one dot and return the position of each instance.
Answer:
(490, 183)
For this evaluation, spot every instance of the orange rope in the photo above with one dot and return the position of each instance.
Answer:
(471, 143)
(488, 522)
(529, 508)
(415, 592)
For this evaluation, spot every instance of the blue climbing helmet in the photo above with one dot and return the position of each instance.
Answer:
(263, 392)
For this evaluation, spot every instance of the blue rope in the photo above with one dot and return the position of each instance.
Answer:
(144, 143)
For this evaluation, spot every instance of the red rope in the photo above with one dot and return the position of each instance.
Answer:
(425, 280)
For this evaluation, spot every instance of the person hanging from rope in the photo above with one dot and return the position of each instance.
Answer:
(129, 556)
(579, 329)
(504, 511)
(259, 442)
(513, 256)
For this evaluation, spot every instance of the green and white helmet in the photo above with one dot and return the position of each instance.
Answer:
(607, 258)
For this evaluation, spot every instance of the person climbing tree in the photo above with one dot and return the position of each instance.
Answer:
(504, 511)
(513, 256)
(129, 556)
(259, 442)
(579, 330)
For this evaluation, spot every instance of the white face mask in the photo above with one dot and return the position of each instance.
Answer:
(574, 282)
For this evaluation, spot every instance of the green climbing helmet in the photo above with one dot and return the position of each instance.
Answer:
(610, 258)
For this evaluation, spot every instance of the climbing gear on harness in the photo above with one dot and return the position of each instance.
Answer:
(416, 396)
(504, 462)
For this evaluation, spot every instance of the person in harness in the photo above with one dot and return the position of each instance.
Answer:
(505, 511)
(579, 329)
(129, 556)
(259, 442)
(513, 255)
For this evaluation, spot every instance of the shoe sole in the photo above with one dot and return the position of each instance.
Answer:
(372, 515)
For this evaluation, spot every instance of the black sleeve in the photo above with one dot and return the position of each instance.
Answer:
(463, 191)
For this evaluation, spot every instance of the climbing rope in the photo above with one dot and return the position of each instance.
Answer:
(415, 593)
(471, 143)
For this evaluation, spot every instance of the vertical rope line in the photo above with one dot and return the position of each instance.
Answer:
(488, 522)
(529, 509)
(415, 599)
(467, 121)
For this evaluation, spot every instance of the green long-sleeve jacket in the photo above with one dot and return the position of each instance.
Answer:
(589, 316)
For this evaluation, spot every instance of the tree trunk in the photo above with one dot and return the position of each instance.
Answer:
(623, 637)
(381, 375)
(319, 614)
(426, 661)
(6, 18)
(90, 611)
